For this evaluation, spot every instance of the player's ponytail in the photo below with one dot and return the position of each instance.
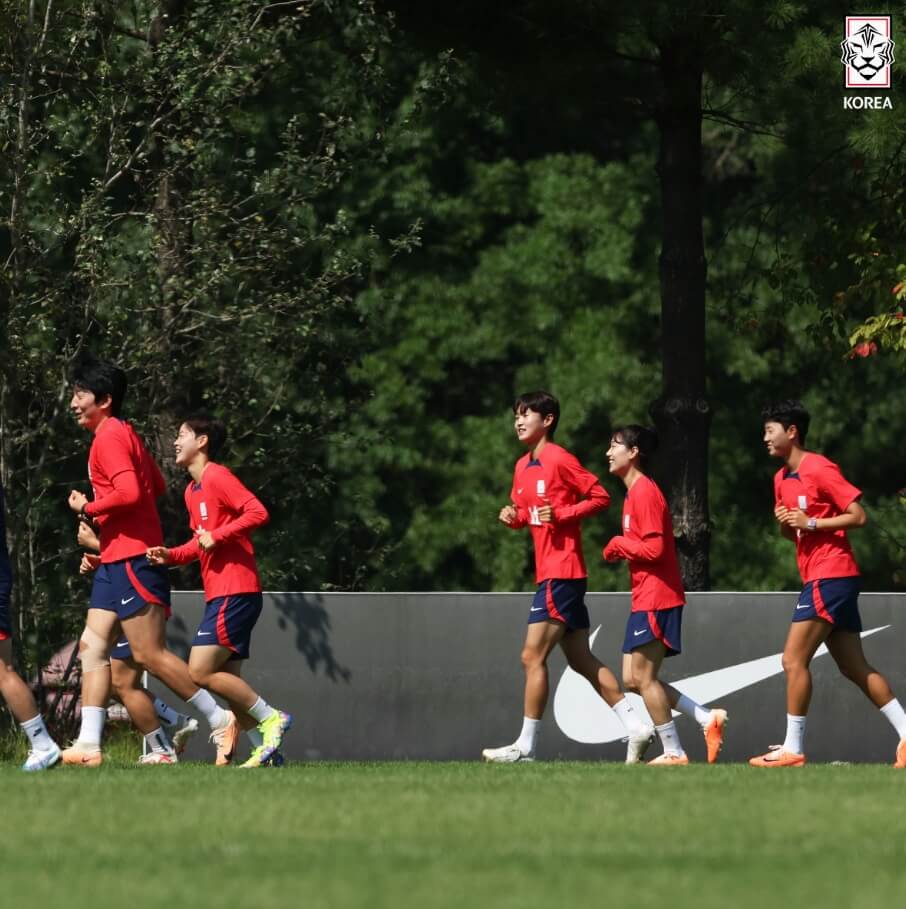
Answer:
(634, 436)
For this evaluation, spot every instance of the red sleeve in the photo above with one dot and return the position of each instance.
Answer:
(836, 487)
(125, 493)
(649, 549)
(182, 555)
(251, 513)
(585, 484)
(778, 480)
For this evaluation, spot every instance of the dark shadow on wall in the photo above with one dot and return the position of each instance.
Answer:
(179, 636)
(312, 624)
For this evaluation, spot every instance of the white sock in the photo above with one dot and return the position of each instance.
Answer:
(528, 738)
(255, 737)
(167, 714)
(631, 721)
(213, 712)
(260, 710)
(38, 736)
(670, 738)
(701, 715)
(795, 733)
(157, 741)
(896, 716)
(92, 728)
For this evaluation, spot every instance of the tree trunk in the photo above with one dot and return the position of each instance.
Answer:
(682, 414)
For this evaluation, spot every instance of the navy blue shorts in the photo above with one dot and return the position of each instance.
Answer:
(125, 587)
(121, 649)
(835, 600)
(228, 622)
(561, 600)
(664, 625)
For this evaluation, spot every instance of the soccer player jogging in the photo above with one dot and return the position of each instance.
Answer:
(43, 751)
(815, 506)
(654, 629)
(127, 591)
(552, 492)
(223, 514)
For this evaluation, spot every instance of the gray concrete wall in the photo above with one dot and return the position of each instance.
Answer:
(437, 675)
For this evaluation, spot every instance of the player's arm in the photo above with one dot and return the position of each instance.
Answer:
(250, 512)
(854, 516)
(126, 493)
(649, 549)
(592, 495)
(176, 555)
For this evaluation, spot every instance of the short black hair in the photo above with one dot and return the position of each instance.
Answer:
(203, 424)
(788, 413)
(541, 402)
(102, 378)
(632, 435)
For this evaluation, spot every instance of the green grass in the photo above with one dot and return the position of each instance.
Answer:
(454, 835)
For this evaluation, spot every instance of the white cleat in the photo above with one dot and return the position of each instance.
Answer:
(41, 760)
(159, 757)
(180, 734)
(508, 754)
(638, 745)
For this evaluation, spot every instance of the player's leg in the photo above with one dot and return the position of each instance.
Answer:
(540, 639)
(126, 676)
(94, 654)
(712, 721)
(43, 751)
(576, 649)
(846, 649)
(804, 638)
(646, 663)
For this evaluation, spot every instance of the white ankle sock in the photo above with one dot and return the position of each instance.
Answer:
(168, 715)
(631, 721)
(92, 727)
(795, 734)
(528, 738)
(157, 741)
(895, 714)
(213, 712)
(38, 736)
(260, 710)
(670, 738)
(701, 715)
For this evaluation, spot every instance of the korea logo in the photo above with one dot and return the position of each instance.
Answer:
(867, 51)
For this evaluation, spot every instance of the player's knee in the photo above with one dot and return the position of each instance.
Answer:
(792, 662)
(630, 683)
(531, 658)
(93, 652)
(199, 676)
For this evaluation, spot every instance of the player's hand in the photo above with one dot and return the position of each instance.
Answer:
(206, 541)
(77, 501)
(611, 551)
(158, 555)
(507, 515)
(797, 519)
(782, 513)
(89, 563)
(87, 538)
(546, 513)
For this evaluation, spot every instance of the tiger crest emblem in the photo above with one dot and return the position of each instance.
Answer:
(867, 51)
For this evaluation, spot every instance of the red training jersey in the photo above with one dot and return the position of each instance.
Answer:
(647, 544)
(126, 483)
(556, 478)
(221, 505)
(819, 488)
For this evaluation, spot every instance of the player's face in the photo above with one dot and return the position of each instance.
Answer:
(186, 445)
(531, 426)
(777, 439)
(85, 409)
(619, 456)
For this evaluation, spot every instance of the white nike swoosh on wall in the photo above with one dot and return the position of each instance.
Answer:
(583, 717)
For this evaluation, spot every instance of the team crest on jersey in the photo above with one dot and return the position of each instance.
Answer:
(626, 522)
(203, 508)
(803, 503)
(867, 51)
(539, 487)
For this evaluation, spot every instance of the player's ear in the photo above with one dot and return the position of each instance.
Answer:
(202, 441)
(105, 402)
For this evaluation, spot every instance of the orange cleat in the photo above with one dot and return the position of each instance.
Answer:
(777, 757)
(714, 733)
(82, 755)
(669, 760)
(226, 738)
(900, 762)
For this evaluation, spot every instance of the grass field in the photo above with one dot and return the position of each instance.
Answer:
(445, 835)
